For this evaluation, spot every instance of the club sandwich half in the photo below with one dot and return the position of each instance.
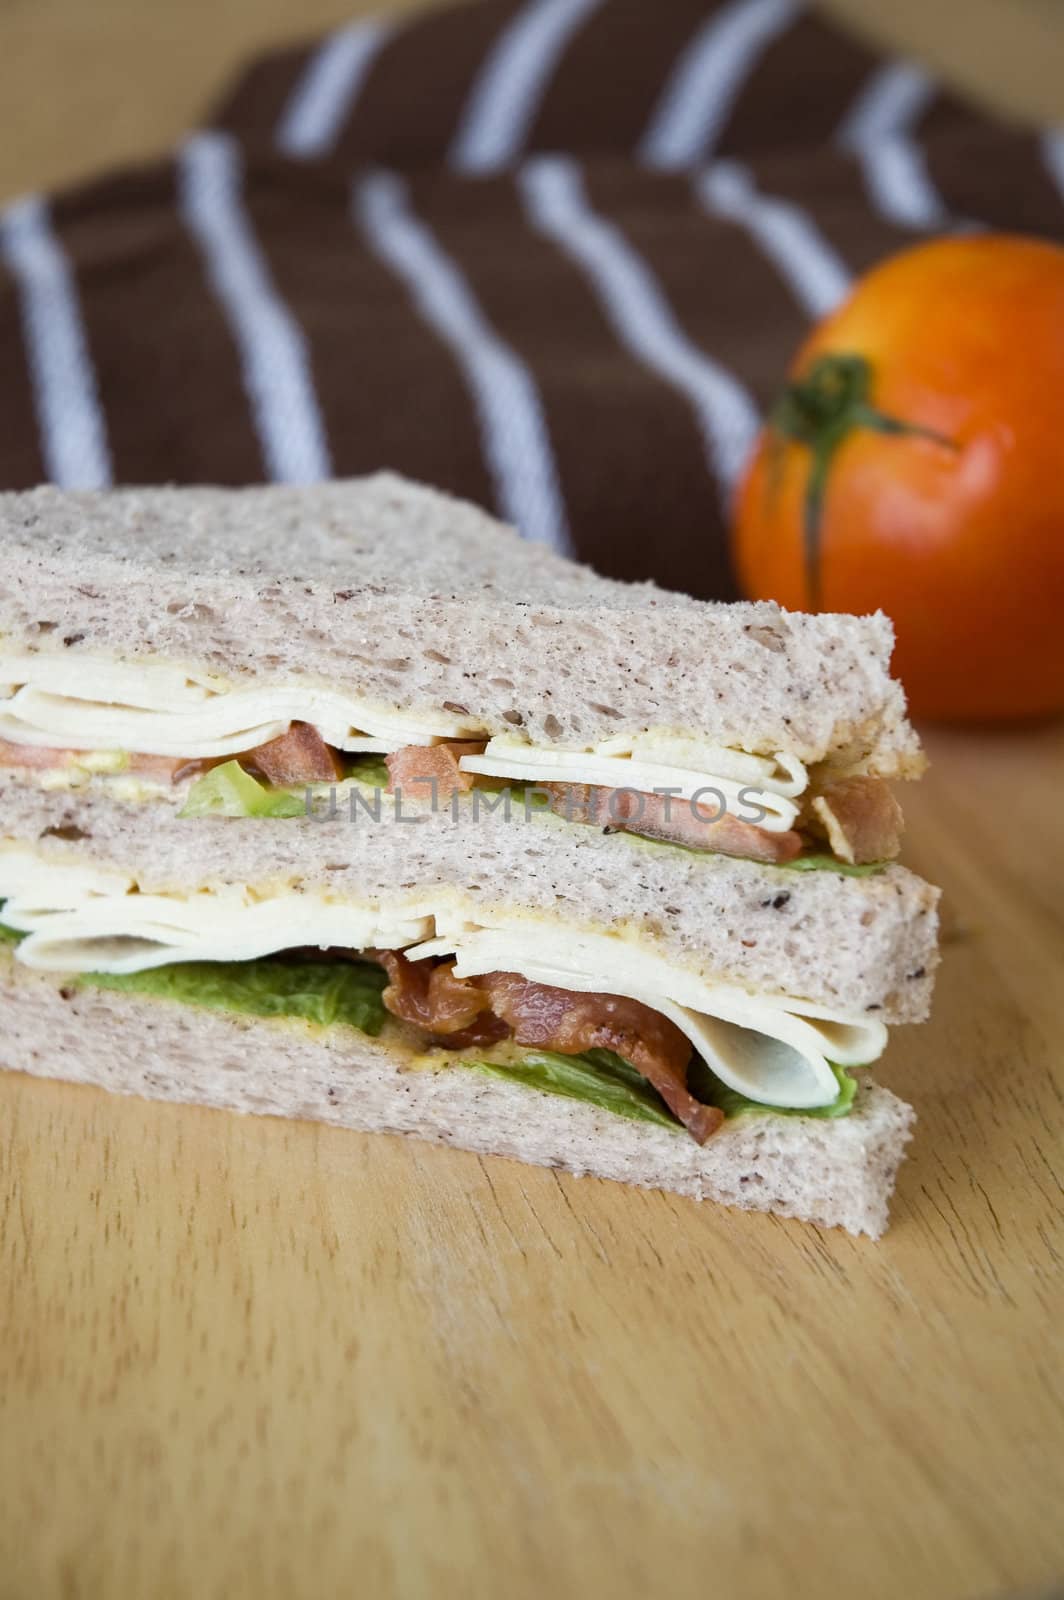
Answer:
(346, 803)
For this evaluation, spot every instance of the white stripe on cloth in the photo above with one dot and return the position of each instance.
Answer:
(510, 87)
(642, 318)
(787, 235)
(73, 432)
(707, 80)
(274, 357)
(510, 414)
(1053, 156)
(326, 93)
(878, 131)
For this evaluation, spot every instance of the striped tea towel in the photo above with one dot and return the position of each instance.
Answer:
(552, 255)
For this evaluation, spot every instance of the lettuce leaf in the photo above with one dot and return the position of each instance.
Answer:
(324, 992)
(707, 1087)
(599, 1078)
(369, 769)
(229, 791)
(603, 1079)
(826, 863)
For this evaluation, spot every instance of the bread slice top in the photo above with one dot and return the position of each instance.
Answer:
(420, 602)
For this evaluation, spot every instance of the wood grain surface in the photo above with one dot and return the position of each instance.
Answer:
(256, 1359)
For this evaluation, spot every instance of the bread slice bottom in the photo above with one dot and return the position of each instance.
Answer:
(836, 1172)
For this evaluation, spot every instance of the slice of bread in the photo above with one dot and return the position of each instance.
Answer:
(858, 943)
(420, 602)
(836, 1172)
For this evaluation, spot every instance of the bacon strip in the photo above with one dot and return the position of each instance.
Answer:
(861, 818)
(571, 1022)
(431, 997)
(43, 758)
(431, 772)
(458, 1012)
(676, 821)
(298, 756)
(33, 755)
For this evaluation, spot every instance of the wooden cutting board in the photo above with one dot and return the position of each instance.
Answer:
(246, 1358)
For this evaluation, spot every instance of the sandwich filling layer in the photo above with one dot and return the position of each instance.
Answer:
(330, 994)
(153, 725)
(528, 978)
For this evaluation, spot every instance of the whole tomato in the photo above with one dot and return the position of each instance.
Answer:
(915, 462)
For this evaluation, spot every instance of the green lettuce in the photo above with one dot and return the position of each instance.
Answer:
(369, 769)
(605, 1080)
(229, 791)
(826, 863)
(599, 1077)
(707, 1087)
(323, 992)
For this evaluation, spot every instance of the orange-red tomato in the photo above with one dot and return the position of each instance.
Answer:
(915, 462)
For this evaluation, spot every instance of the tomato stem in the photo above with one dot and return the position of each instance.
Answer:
(820, 411)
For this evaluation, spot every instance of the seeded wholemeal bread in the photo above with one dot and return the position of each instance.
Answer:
(416, 600)
(860, 943)
(836, 1172)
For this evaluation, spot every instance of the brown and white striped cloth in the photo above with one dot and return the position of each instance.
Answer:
(552, 255)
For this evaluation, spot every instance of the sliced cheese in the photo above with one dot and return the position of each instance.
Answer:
(772, 1048)
(753, 788)
(156, 931)
(154, 685)
(782, 773)
(116, 933)
(27, 879)
(153, 708)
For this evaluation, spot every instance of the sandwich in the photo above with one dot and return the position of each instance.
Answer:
(344, 802)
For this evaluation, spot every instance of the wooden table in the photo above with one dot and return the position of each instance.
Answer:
(256, 1359)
